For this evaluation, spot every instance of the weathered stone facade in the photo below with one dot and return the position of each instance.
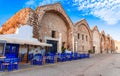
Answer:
(113, 48)
(51, 20)
(96, 40)
(103, 42)
(14, 22)
(107, 43)
(83, 36)
(117, 46)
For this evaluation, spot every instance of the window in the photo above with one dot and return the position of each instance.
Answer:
(53, 34)
(14, 49)
(86, 38)
(40, 40)
(7, 49)
(78, 36)
(82, 37)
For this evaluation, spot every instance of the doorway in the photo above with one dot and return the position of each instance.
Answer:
(93, 49)
(12, 50)
(52, 49)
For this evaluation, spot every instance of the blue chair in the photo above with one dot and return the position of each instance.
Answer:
(87, 56)
(8, 64)
(69, 56)
(15, 63)
(30, 57)
(2, 67)
(50, 58)
(80, 56)
(37, 59)
(75, 56)
(84, 55)
(61, 57)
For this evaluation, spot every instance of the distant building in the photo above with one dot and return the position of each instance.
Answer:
(83, 36)
(117, 46)
(96, 40)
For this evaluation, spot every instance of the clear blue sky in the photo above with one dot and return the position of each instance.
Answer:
(103, 13)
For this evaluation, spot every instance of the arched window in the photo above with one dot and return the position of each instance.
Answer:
(82, 36)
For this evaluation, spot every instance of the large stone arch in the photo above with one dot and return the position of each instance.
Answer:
(83, 29)
(108, 43)
(96, 40)
(103, 42)
(53, 18)
(113, 46)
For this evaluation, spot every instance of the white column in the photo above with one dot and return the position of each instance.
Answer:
(76, 46)
(73, 43)
(60, 42)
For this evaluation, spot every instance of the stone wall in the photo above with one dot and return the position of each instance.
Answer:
(103, 42)
(117, 46)
(14, 22)
(53, 22)
(107, 43)
(84, 42)
(53, 17)
(48, 18)
(96, 40)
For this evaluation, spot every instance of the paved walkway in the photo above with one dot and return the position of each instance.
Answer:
(97, 65)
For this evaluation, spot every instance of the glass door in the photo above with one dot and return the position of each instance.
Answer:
(12, 50)
(52, 49)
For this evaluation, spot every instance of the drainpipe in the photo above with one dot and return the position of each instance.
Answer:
(27, 53)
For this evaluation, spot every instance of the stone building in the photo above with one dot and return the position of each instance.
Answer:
(113, 48)
(83, 36)
(54, 26)
(117, 46)
(96, 40)
(103, 42)
(51, 24)
(107, 43)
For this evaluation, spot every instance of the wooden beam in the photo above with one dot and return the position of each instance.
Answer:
(27, 53)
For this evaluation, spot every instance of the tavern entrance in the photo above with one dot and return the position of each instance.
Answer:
(52, 49)
(12, 50)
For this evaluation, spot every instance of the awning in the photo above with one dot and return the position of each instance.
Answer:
(30, 41)
(3, 41)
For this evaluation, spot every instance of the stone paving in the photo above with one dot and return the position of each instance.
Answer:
(97, 65)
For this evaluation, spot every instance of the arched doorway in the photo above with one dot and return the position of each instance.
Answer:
(54, 26)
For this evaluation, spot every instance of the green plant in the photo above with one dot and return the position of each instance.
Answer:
(63, 49)
(90, 52)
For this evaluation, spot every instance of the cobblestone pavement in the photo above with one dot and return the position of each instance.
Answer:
(97, 65)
